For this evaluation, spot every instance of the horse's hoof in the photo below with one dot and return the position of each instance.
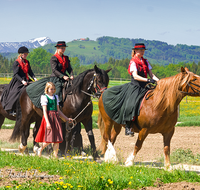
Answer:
(21, 148)
(35, 148)
(130, 160)
(96, 156)
(26, 151)
(83, 153)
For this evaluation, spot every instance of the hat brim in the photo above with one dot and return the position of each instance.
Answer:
(139, 48)
(61, 46)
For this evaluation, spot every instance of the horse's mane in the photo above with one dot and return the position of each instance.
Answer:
(78, 82)
(167, 91)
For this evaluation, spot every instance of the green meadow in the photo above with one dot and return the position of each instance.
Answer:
(85, 174)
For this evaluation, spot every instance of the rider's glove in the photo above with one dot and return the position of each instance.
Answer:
(151, 81)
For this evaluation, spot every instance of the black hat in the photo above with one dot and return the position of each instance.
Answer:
(61, 44)
(139, 46)
(23, 49)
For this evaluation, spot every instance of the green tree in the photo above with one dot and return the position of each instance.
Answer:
(40, 61)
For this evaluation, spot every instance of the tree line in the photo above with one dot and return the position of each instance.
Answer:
(40, 63)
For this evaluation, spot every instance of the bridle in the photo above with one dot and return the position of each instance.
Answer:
(96, 86)
(195, 91)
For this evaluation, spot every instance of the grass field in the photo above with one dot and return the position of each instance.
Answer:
(87, 175)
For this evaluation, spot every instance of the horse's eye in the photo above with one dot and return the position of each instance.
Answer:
(99, 81)
(194, 79)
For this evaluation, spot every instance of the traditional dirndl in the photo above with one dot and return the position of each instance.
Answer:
(55, 134)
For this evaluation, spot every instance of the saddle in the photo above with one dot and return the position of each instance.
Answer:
(66, 85)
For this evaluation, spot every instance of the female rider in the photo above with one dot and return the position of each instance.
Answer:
(21, 70)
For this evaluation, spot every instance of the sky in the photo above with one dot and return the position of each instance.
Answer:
(170, 21)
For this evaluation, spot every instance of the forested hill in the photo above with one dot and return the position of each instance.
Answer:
(105, 47)
(120, 48)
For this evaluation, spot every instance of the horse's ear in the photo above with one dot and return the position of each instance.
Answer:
(97, 70)
(186, 69)
(108, 70)
(183, 70)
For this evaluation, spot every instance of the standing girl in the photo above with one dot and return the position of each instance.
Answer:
(50, 129)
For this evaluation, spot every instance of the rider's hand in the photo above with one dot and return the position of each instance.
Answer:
(71, 77)
(151, 81)
(66, 78)
(24, 83)
(70, 120)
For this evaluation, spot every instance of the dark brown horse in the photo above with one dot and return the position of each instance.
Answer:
(158, 114)
(76, 100)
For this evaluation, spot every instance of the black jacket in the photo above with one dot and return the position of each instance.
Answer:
(56, 67)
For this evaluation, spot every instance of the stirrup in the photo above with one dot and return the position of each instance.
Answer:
(128, 132)
(13, 113)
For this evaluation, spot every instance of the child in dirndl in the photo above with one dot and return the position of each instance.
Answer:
(50, 130)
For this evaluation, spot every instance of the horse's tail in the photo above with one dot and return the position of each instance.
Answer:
(17, 132)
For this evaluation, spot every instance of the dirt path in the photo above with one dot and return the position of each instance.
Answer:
(184, 137)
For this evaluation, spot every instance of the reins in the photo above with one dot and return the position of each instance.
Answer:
(150, 91)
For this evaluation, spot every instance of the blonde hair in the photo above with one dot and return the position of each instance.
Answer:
(56, 50)
(133, 53)
(48, 85)
(20, 55)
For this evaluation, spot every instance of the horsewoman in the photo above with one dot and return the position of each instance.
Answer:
(122, 102)
(21, 70)
(60, 64)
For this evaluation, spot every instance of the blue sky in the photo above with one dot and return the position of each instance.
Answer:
(171, 21)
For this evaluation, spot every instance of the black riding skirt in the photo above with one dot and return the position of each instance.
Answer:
(122, 103)
(36, 89)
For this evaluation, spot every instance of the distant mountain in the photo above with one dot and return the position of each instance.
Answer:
(105, 47)
(12, 47)
(120, 48)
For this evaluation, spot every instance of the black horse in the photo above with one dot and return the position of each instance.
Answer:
(77, 99)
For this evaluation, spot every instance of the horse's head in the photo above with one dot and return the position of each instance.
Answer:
(99, 81)
(190, 83)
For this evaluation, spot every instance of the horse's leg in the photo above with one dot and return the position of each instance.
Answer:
(115, 132)
(88, 127)
(167, 139)
(64, 145)
(141, 137)
(2, 118)
(25, 128)
(35, 131)
(76, 140)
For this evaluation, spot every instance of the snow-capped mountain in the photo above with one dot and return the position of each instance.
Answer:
(33, 43)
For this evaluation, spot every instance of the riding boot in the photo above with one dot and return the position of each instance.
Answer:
(128, 129)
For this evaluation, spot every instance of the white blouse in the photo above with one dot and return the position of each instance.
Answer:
(134, 68)
(44, 100)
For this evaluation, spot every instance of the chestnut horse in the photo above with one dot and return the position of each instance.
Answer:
(76, 101)
(158, 114)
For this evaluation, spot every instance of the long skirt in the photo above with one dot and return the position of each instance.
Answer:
(36, 89)
(50, 136)
(11, 93)
(122, 103)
